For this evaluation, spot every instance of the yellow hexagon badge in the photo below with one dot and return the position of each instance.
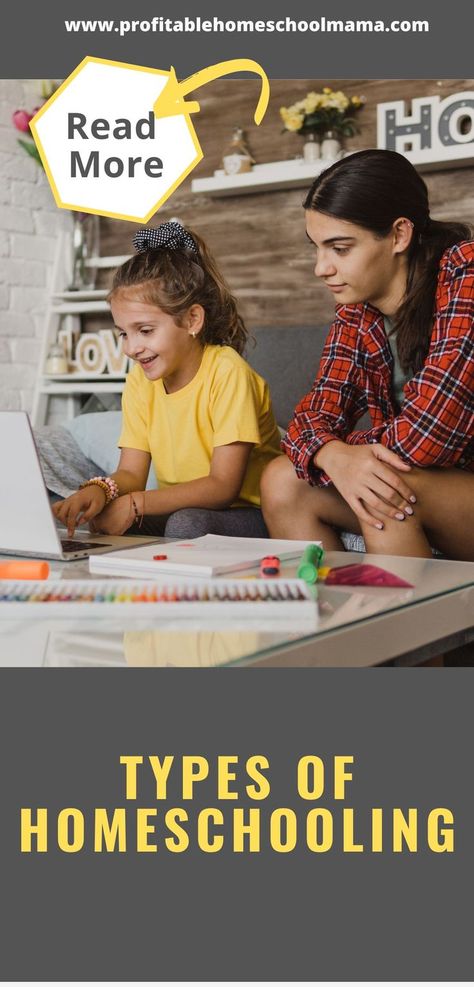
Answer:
(117, 139)
(103, 148)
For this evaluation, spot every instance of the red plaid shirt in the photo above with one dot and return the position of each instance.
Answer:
(435, 424)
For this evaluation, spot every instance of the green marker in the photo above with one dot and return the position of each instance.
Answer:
(310, 562)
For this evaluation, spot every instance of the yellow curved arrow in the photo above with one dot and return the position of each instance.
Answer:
(171, 100)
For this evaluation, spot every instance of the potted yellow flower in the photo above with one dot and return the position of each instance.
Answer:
(326, 116)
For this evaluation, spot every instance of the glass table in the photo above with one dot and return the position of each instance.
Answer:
(351, 627)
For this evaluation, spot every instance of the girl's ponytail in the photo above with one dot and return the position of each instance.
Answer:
(223, 324)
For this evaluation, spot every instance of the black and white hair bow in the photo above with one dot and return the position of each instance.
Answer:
(171, 236)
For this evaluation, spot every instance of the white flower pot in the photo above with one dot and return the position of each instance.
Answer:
(331, 146)
(311, 150)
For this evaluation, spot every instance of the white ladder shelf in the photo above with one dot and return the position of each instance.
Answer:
(65, 310)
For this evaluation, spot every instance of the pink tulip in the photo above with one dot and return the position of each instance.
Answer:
(21, 120)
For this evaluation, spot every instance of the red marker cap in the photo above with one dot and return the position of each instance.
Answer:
(270, 566)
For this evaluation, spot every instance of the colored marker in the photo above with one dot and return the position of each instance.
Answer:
(323, 571)
(270, 566)
(310, 563)
(24, 570)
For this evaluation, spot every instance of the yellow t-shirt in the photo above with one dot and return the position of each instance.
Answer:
(225, 402)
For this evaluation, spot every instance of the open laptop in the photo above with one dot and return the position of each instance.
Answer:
(27, 523)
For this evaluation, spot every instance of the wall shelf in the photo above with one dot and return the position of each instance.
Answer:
(296, 173)
(100, 385)
(87, 295)
(80, 308)
(74, 378)
(263, 178)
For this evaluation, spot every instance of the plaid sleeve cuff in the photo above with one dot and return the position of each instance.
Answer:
(302, 454)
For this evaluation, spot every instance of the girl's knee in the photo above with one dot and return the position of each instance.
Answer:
(276, 482)
(190, 522)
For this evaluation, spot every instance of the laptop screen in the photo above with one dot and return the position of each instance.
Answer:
(26, 521)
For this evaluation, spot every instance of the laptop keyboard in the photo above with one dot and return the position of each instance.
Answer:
(69, 545)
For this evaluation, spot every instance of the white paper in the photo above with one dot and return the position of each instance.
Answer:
(211, 555)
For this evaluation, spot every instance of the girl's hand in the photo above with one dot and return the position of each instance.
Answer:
(116, 518)
(80, 507)
(370, 478)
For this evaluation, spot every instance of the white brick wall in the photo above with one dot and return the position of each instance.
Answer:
(29, 224)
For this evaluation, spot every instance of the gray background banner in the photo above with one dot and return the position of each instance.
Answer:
(224, 916)
(238, 917)
(35, 45)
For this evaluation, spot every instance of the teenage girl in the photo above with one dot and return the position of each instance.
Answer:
(191, 405)
(402, 348)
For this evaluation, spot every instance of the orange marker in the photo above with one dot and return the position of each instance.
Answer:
(24, 570)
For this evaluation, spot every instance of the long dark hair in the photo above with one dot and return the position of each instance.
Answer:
(372, 189)
(176, 279)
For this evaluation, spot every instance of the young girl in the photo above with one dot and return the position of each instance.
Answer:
(402, 348)
(191, 405)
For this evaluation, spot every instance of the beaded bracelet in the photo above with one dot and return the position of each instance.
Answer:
(138, 516)
(106, 483)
